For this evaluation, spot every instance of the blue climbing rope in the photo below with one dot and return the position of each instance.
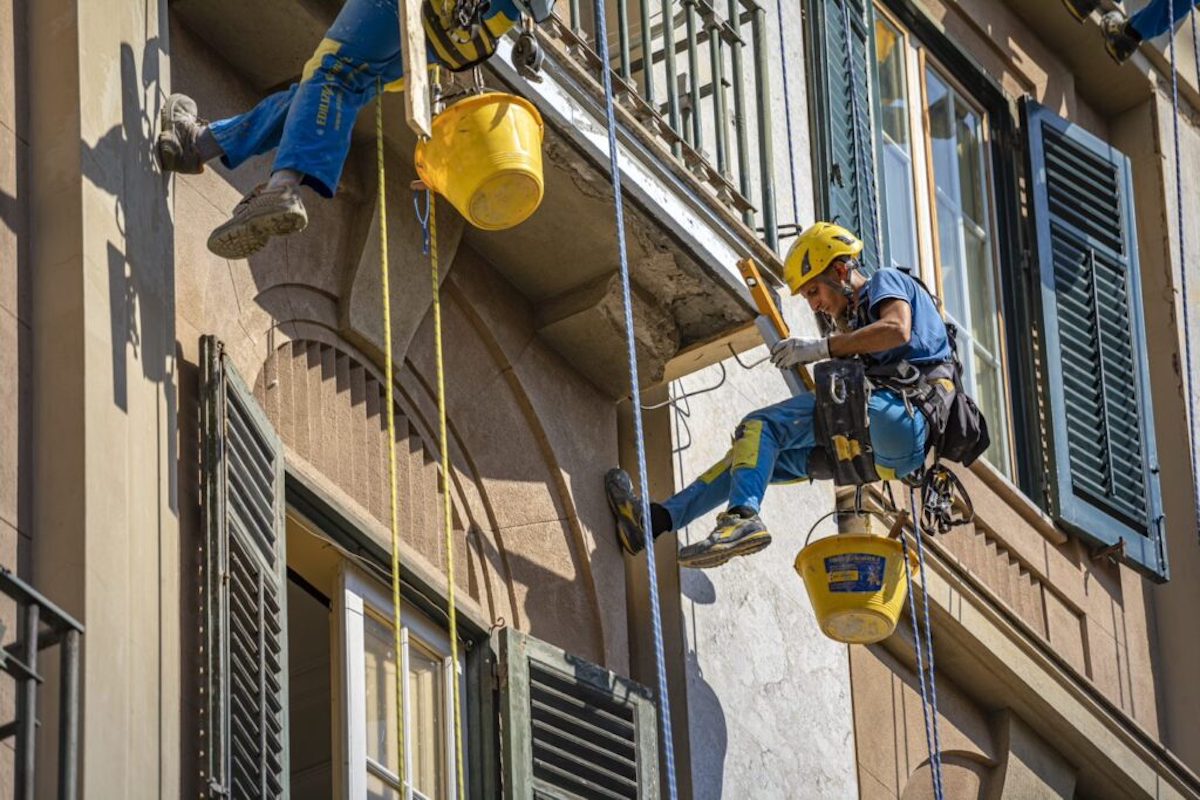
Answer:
(787, 114)
(922, 642)
(862, 164)
(660, 662)
(1183, 273)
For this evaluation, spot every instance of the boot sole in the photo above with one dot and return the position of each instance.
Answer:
(167, 145)
(235, 240)
(611, 491)
(715, 558)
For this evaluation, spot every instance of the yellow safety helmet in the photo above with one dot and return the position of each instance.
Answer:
(817, 248)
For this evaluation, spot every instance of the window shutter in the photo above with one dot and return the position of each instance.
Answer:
(244, 726)
(845, 139)
(1105, 482)
(573, 729)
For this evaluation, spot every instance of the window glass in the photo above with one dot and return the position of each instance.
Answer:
(964, 246)
(426, 712)
(899, 216)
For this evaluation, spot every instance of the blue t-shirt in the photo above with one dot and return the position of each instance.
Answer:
(928, 343)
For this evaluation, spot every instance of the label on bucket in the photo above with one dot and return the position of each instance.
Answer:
(855, 572)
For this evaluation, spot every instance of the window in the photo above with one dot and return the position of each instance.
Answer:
(933, 153)
(1068, 373)
(369, 698)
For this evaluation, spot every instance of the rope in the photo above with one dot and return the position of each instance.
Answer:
(1183, 274)
(861, 168)
(664, 703)
(431, 243)
(391, 427)
(922, 640)
(787, 113)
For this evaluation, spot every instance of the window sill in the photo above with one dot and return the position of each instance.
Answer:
(1018, 502)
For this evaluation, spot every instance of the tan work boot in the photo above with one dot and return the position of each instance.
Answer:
(262, 214)
(179, 130)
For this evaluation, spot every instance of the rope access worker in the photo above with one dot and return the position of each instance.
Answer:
(887, 320)
(309, 124)
(1122, 34)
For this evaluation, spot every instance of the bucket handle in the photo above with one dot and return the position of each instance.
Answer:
(897, 529)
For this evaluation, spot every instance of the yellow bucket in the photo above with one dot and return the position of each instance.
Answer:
(485, 157)
(856, 584)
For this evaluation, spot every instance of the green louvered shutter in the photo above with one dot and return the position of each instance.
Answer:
(840, 40)
(244, 725)
(1105, 482)
(573, 729)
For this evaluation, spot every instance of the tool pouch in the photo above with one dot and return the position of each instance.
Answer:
(840, 422)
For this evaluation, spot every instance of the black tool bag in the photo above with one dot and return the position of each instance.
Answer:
(840, 422)
(964, 435)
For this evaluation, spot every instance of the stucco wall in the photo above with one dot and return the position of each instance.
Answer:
(16, 390)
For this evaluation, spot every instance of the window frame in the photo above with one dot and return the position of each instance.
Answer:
(1017, 284)
(480, 703)
(359, 595)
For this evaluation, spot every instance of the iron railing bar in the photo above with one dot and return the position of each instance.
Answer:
(27, 708)
(717, 58)
(741, 139)
(647, 53)
(689, 19)
(68, 731)
(623, 38)
(574, 7)
(668, 23)
(758, 35)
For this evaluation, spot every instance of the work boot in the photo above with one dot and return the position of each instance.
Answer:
(739, 532)
(626, 507)
(263, 213)
(1120, 39)
(1080, 9)
(179, 131)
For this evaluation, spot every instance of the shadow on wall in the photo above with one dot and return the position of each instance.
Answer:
(709, 735)
(141, 265)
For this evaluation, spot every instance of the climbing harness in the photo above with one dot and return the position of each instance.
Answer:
(1183, 273)
(923, 645)
(401, 737)
(664, 704)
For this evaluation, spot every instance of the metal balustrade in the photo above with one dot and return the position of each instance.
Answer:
(41, 624)
(693, 89)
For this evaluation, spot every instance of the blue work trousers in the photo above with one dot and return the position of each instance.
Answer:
(311, 122)
(772, 445)
(1155, 19)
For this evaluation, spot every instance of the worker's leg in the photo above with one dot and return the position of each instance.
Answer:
(897, 435)
(1155, 19)
(255, 132)
(360, 49)
(771, 444)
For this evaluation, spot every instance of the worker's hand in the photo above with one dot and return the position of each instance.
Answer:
(797, 350)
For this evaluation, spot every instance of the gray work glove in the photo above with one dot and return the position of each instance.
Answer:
(797, 350)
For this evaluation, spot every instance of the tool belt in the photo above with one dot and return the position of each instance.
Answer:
(957, 431)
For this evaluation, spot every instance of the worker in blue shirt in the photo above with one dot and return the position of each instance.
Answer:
(887, 318)
(309, 124)
(1123, 34)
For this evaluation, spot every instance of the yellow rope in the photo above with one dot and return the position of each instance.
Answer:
(448, 520)
(391, 429)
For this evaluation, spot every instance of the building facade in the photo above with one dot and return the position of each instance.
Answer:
(195, 453)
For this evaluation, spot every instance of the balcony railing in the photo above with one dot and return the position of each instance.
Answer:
(41, 624)
(681, 69)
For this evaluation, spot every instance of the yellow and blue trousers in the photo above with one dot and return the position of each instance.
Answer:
(310, 122)
(772, 445)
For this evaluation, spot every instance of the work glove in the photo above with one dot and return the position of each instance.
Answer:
(797, 350)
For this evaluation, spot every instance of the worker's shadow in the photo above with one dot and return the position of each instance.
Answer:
(706, 716)
(141, 253)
